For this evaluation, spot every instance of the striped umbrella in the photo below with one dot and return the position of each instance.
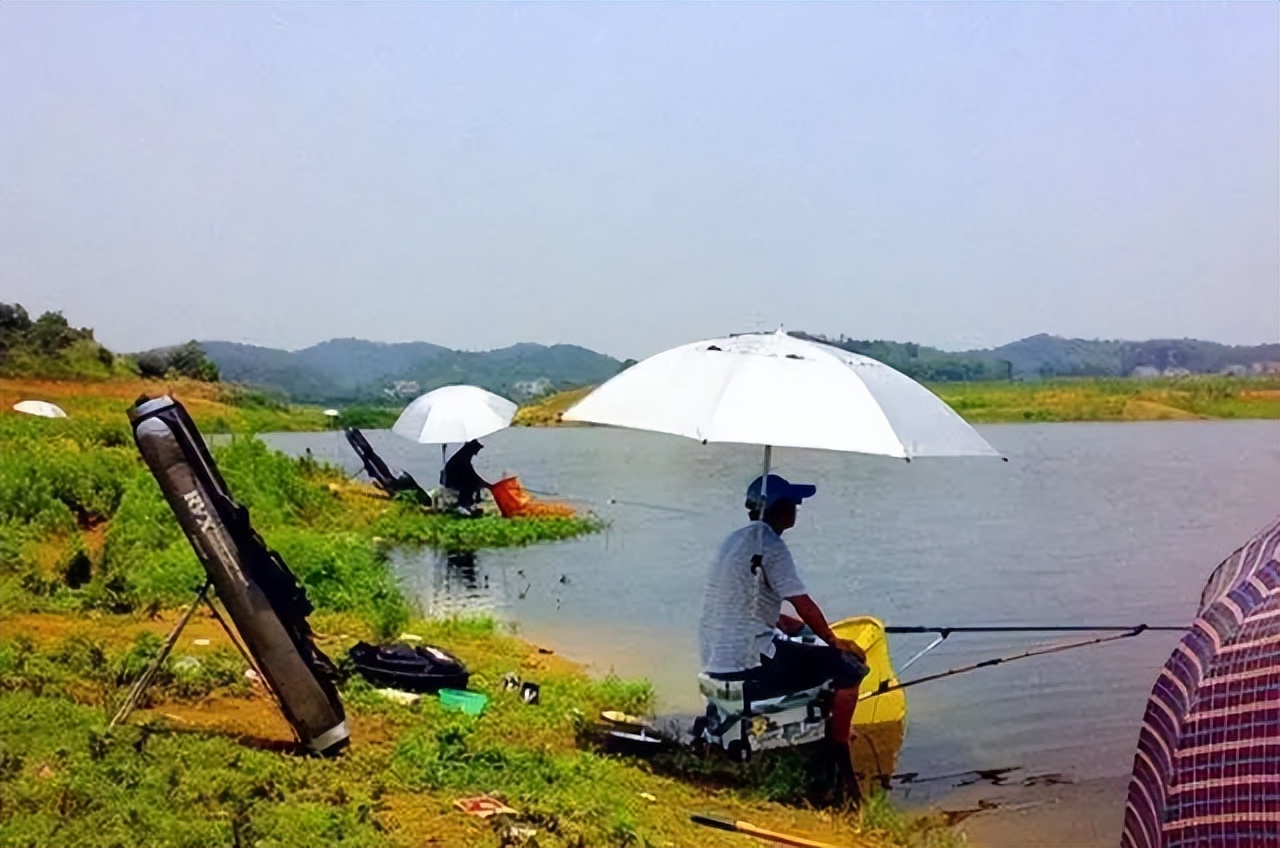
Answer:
(1207, 770)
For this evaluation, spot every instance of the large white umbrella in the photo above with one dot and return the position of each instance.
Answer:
(773, 389)
(39, 407)
(454, 414)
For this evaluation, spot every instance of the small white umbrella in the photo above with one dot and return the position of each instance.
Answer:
(454, 414)
(39, 407)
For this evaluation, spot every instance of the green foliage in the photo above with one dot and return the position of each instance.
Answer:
(369, 417)
(344, 572)
(925, 364)
(880, 817)
(65, 782)
(406, 524)
(1116, 399)
(185, 360)
(50, 347)
(79, 667)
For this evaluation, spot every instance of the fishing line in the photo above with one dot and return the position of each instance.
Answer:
(612, 502)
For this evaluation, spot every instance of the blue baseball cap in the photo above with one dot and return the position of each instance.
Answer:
(779, 489)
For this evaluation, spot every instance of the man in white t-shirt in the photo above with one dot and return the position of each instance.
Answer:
(752, 575)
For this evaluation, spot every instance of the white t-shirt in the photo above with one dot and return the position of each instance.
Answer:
(740, 609)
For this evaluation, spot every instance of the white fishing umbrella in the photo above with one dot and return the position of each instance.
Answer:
(454, 414)
(39, 407)
(775, 390)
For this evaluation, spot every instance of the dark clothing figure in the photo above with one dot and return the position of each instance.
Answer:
(459, 476)
(796, 666)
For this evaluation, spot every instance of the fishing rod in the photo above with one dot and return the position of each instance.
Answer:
(1064, 628)
(885, 687)
(944, 632)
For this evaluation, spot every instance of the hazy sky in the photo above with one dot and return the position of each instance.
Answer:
(633, 176)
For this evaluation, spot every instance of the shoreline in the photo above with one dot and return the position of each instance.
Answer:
(1052, 813)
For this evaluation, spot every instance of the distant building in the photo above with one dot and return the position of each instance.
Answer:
(1176, 372)
(1265, 368)
(1145, 372)
(1234, 371)
(525, 389)
(403, 388)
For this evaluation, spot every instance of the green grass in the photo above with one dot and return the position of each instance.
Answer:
(67, 781)
(406, 525)
(1089, 399)
(60, 479)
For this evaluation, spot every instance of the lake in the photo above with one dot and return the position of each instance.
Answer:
(1086, 524)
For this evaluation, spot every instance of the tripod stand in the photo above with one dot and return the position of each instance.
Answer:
(148, 675)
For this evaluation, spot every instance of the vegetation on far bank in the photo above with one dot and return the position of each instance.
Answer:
(1086, 399)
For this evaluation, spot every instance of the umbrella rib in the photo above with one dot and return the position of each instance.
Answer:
(735, 367)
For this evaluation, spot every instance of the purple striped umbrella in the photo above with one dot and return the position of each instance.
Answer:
(1207, 770)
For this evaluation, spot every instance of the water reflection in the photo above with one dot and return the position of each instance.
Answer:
(460, 584)
(451, 584)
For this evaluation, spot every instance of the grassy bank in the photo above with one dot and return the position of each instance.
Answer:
(1183, 398)
(93, 569)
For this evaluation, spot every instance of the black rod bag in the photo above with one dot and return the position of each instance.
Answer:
(266, 604)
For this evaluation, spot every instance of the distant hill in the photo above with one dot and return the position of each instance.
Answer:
(1043, 356)
(1052, 356)
(352, 370)
(920, 362)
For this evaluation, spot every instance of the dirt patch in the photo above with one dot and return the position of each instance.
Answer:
(14, 389)
(256, 721)
(430, 820)
(118, 631)
(1146, 410)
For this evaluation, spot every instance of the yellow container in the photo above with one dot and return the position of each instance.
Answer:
(880, 721)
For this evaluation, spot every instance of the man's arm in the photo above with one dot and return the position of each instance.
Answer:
(812, 616)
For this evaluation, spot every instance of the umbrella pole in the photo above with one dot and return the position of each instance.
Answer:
(758, 559)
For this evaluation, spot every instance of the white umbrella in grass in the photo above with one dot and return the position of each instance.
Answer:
(42, 408)
(773, 389)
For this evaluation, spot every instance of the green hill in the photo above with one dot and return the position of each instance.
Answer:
(1053, 356)
(352, 370)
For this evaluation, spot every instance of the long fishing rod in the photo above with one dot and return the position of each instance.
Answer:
(1065, 628)
(885, 687)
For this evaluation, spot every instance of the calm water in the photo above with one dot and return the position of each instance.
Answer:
(1086, 524)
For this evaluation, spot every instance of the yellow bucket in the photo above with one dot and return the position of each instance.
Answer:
(880, 721)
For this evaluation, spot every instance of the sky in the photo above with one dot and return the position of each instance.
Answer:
(630, 176)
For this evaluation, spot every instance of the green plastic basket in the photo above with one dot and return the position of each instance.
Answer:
(471, 703)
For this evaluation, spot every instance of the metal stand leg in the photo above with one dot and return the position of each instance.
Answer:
(244, 652)
(144, 680)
